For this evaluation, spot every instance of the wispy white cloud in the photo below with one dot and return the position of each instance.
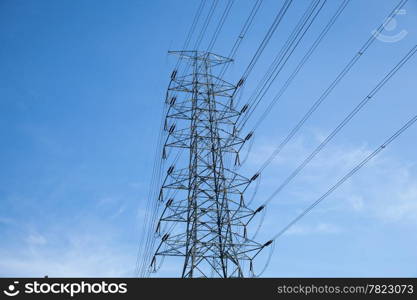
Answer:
(385, 189)
(321, 228)
(91, 247)
(374, 208)
(36, 239)
(73, 255)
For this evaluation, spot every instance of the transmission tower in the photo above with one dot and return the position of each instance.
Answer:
(204, 218)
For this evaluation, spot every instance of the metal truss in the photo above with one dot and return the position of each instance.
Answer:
(204, 218)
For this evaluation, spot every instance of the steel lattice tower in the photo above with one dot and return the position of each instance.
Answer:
(204, 218)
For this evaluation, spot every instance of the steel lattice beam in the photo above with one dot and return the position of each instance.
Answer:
(204, 218)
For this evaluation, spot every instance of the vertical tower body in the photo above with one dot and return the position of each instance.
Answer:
(204, 217)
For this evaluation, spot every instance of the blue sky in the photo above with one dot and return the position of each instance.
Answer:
(80, 103)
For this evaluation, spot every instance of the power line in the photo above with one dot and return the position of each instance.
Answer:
(243, 32)
(216, 31)
(205, 197)
(303, 61)
(220, 25)
(191, 30)
(151, 206)
(271, 30)
(149, 243)
(209, 192)
(346, 177)
(247, 24)
(205, 24)
(331, 87)
(282, 58)
(345, 121)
